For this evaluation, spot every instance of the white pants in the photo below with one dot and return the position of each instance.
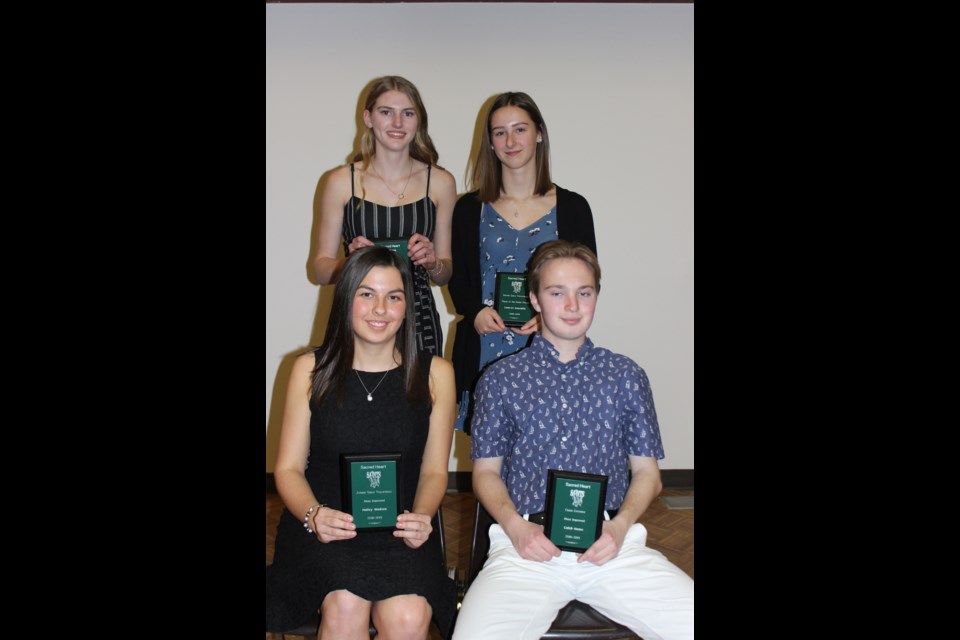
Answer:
(516, 598)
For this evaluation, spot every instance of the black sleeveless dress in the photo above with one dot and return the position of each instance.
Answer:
(374, 565)
(378, 222)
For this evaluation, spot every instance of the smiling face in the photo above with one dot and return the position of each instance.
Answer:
(379, 306)
(566, 300)
(393, 120)
(514, 136)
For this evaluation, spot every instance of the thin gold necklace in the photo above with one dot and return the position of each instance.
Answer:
(403, 192)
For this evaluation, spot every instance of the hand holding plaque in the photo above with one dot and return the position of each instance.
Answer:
(573, 517)
(510, 299)
(370, 488)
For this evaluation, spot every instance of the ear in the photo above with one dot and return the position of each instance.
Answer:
(366, 119)
(534, 303)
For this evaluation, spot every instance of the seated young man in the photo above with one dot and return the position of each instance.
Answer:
(565, 404)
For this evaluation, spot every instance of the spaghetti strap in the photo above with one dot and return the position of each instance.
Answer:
(428, 180)
(352, 194)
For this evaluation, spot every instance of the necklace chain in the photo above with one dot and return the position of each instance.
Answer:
(515, 201)
(370, 393)
(403, 192)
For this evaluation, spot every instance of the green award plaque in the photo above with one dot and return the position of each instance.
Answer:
(573, 517)
(510, 299)
(395, 244)
(370, 489)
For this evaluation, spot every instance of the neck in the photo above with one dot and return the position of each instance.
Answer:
(375, 357)
(520, 183)
(392, 165)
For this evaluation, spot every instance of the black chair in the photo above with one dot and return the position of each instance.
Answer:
(576, 621)
(311, 628)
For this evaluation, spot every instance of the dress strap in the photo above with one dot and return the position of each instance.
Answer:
(428, 180)
(352, 194)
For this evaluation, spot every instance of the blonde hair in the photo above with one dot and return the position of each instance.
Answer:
(555, 249)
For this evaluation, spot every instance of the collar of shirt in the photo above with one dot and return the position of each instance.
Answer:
(550, 355)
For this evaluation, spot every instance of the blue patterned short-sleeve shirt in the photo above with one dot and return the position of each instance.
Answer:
(586, 415)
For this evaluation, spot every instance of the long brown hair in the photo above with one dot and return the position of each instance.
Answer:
(487, 175)
(336, 360)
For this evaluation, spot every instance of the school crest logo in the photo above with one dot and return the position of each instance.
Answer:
(374, 478)
(577, 496)
(517, 285)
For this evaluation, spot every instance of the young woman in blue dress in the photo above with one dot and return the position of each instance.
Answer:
(516, 207)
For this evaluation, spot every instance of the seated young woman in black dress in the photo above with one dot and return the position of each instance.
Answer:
(366, 389)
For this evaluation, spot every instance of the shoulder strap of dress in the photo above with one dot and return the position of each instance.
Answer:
(352, 194)
(428, 179)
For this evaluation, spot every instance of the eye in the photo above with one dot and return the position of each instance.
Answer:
(396, 298)
(586, 294)
(384, 112)
(497, 134)
(410, 114)
(521, 129)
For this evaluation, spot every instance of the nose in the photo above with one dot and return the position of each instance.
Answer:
(509, 139)
(398, 120)
(572, 303)
(379, 307)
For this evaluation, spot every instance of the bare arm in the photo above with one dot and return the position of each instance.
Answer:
(527, 538)
(326, 264)
(645, 485)
(292, 485)
(430, 254)
(416, 527)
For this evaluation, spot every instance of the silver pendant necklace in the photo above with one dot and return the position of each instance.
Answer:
(370, 393)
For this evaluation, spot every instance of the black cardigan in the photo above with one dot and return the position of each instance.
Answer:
(574, 222)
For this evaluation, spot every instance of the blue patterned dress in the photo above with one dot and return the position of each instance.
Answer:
(504, 248)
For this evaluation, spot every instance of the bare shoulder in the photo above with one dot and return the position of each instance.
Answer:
(440, 367)
(444, 178)
(305, 362)
(339, 176)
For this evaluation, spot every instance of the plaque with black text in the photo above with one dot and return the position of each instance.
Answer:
(371, 489)
(573, 517)
(510, 299)
(395, 244)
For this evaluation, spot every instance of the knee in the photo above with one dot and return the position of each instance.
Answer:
(343, 613)
(408, 622)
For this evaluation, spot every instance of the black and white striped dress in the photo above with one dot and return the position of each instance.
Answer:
(378, 222)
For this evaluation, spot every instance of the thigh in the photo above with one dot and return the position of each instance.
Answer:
(642, 590)
(512, 597)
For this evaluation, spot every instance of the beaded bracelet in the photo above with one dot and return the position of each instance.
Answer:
(306, 518)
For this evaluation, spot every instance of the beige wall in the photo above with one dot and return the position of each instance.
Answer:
(615, 85)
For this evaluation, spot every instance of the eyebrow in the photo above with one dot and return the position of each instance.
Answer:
(369, 288)
(515, 124)
(563, 286)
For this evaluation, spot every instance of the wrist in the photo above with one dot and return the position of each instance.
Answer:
(308, 518)
(438, 269)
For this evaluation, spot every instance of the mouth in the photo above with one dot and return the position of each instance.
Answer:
(377, 325)
(397, 135)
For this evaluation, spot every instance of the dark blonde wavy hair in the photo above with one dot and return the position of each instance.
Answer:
(421, 148)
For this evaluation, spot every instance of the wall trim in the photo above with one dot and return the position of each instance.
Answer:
(462, 481)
